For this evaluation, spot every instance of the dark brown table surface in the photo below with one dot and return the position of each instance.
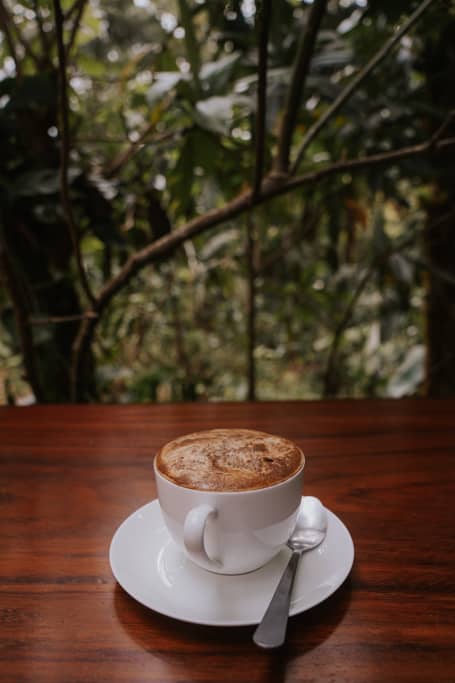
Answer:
(69, 475)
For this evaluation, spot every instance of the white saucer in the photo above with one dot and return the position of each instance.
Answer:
(152, 569)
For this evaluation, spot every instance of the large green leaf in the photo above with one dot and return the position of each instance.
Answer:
(164, 82)
(216, 75)
(409, 375)
(216, 113)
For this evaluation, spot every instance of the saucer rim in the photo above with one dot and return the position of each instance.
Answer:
(295, 609)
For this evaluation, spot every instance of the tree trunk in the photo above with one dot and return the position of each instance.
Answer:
(439, 236)
(440, 304)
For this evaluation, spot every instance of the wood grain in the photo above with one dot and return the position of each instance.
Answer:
(70, 474)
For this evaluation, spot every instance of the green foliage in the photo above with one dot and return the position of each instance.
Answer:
(163, 101)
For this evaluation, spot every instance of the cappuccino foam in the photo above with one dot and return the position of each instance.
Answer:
(229, 460)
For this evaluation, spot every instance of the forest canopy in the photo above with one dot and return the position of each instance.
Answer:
(226, 200)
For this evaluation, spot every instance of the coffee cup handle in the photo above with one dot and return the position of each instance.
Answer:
(193, 535)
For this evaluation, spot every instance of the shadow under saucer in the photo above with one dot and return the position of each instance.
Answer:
(189, 649)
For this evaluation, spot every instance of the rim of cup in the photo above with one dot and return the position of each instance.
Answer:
(230, 493)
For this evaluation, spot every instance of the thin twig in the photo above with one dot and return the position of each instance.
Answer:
(241, 203)
(97, 141)
(439, 273)
(183, 359)
(357, 80)
(259, 134)
(263, 22)
(121, 141)
(45, 44)
(346, 317)
(363, 162)
(65, 150)
(79, 7)
(437, 135)
(58, 319)
(340, 328)
(71, 10)
(124, 156)
(191, 42)
(251, 311)
(278, 254)
(300, 72)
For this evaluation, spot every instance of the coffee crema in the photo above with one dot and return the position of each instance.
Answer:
(229, 460)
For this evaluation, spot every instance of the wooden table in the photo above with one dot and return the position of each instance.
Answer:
(69, 475)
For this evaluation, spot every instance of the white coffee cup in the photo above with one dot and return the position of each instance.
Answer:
(230, 532)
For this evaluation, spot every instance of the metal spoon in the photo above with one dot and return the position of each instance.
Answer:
(309, 532)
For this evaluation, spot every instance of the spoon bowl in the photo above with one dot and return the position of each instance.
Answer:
(311, 526)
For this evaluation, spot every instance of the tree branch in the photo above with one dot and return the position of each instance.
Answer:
(259, 135)
(58, 319)
(243, 202)
(191, 43)
(182, 357)
(299, 75)
(65, 150)
(71, 10)
(78, 8)
(167, 244)
(251, 249)
(363, 162)
(357, 80)
(288, 243)
(263, 23)
(437, 135)
(45, 44)
(329, 375)
(329, 383)
(125, 155)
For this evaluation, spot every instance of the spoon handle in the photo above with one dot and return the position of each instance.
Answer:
(271, 631)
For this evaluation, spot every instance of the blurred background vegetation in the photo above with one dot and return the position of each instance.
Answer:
(226, 200)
